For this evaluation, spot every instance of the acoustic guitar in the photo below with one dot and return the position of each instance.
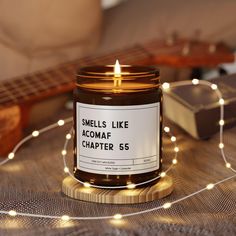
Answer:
(18, 94)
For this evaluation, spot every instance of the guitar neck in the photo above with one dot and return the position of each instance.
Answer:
(61, 79)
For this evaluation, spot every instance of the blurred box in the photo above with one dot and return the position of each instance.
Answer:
(196, 108)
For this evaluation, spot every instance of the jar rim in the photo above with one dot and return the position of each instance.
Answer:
(107, 71)
(132, 78)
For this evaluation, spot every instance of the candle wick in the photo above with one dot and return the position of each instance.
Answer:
(117, 74)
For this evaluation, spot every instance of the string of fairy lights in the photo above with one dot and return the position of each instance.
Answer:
(118, 216)
(129, 185)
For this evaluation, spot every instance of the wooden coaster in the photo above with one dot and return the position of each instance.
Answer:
(74, 189)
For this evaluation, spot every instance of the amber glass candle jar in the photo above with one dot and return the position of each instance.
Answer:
(118, 125)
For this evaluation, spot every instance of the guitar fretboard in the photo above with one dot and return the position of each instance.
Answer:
(61, 79)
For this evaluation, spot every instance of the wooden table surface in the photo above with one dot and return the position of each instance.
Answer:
(32, 183)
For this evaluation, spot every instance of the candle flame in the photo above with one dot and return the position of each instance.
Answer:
(117, 75)
(117, 69)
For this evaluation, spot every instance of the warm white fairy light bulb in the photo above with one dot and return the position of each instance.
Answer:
(35, 133)
(221, 145)
(131, 186)
(61, 122)
(163, 174)
(173, 138)
(222, 101)
(65, 217)
(167, 205)
(176, 149)
(174, 161)
(210, 186)
(12, 213)
(214, 86)
(86, 185)
(221, 122)
(63, 152)
(166, 129)
(66, 169)
(68, 136)
(195, 81)
(228, 165)
(165, 86)
(117, 216)
(11, 155)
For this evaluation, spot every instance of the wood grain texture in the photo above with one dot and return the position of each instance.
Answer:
(73, 189)
(10, 128)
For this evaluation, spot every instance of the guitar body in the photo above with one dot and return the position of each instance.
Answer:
(10, 128)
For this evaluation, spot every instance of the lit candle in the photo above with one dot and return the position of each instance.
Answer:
(118, 123)
(117, 76)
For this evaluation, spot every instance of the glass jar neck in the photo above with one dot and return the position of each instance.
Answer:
(131, 78)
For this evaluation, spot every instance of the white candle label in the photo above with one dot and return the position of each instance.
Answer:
(118, 140)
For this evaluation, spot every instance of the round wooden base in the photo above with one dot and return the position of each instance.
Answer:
(75, 190)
